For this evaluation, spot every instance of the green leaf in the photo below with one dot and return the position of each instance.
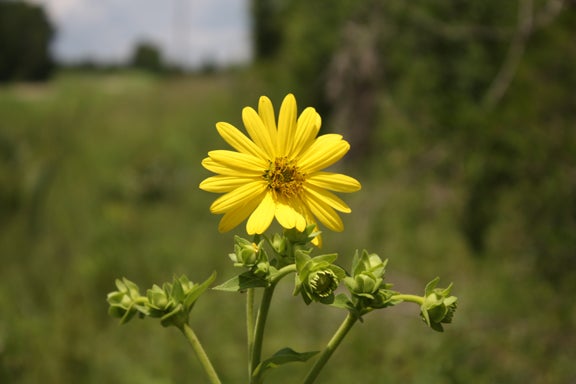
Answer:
(327, 258)
(301, 259)
(283, 356)
(197, 290)
(177, 293)
(357, 263)
(431, 286)
(342, 301)
(129, 287)
(242, 282)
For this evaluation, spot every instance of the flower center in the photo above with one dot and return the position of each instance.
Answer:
(284, 178)
(323, 283)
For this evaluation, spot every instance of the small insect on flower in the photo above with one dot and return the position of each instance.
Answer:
(277, 171)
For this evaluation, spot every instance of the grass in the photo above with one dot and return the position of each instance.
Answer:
(99, 179)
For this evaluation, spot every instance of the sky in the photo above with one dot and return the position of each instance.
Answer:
(188, 32)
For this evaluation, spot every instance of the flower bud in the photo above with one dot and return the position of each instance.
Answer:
(158, 301)
(302, 238)
(317, 278)
(367, 281)
(279, 244)
(368, 263)
(364, 283)
(438, 307)
(246, 253)
(323, 283)
(126, 301)
(172, 302)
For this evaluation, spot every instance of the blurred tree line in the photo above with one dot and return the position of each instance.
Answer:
(490, 83)
(25, 37)
(147, 57)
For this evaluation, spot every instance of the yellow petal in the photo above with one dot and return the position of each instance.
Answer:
(286, 125)
(238, 197)
(258, 132)
(334, 181)
(324, 213)
(262, 216)
(301, 223)
(266, 113)
(223, 184)
(233, 218)
(288, 217)
(308, 127)
(317, 241)
(238, 160)
(325, 151)
(329, 198)
(238, 140)
(218, 168)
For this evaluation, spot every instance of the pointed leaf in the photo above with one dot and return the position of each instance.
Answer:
(283, 356)
(327, 258)
(342, 301)
(197, 290)
(431, 286)
(177, 293)
(301, 258)
(242, 282)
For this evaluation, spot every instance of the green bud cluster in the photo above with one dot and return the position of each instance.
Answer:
(367, 275)
(171, 303)
(250, 255)
(317, 277)
(366, 284)
(438, 306)
(267, 259)
(286, 246)
(126, 301)
(323, 283)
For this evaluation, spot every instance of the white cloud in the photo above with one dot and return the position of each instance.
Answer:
(188, 31)
(62, 10)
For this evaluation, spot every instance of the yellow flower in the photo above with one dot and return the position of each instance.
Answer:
(277, 172)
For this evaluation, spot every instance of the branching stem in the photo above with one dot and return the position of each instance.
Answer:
(200, 353)
(334, 342)
(256, 354)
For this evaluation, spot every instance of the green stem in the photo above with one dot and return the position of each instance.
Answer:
(200, 353)
(140, 300)
(256, 333)
(256, 354)
(283, 272)
(334, 342)
(250, 326)
(409, 298)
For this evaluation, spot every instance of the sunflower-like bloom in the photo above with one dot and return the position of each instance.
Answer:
(276, 172)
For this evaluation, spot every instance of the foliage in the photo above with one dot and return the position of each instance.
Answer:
(104, 189)
(267, 27)
(147, 57)
(25, 37)
(484, 89)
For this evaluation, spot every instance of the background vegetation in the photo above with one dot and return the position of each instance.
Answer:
(462, 118)
(25, 36)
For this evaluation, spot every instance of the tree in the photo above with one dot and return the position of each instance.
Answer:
(25, 36)
(267, 27)
(488, 83)
(147, 57)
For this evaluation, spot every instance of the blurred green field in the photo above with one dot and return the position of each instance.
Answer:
(98, 180)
